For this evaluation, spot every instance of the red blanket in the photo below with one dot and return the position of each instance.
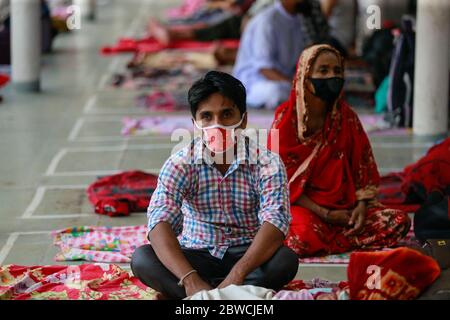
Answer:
(151, 45)
(400, 274)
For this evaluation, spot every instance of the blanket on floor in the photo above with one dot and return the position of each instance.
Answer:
(83, 282)
(172, 59)
(99, 244)
(151, 45)
(110, 282)
(400, 274)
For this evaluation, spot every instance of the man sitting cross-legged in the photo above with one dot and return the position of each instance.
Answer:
(234, 214)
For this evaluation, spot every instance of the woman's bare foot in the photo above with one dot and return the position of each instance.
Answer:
(160, 32)
(160, 296)
(225, 56)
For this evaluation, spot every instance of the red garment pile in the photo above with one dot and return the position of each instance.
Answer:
(123, 193)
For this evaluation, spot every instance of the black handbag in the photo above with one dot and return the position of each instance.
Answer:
(432, 220)
(439, 250)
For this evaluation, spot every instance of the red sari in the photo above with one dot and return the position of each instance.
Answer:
(335, 168)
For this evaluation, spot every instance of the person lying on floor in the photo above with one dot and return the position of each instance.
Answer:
(270, 47)
(209, 13)
(228, 28)
(333, 177)
(234, 211)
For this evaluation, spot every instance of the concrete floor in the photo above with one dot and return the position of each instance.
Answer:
(55, 143)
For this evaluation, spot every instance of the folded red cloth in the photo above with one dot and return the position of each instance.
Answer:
(400, 274)
(430, 173)
(123, 193)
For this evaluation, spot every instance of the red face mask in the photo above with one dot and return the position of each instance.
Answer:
(218, 138)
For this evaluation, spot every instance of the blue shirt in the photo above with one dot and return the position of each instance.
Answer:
(218, 211)
(273, 39)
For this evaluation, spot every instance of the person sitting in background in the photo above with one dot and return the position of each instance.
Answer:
(270, 47)
(230, 28)
(209, 13)
(333, 176)
(341, 16)
(234, 214)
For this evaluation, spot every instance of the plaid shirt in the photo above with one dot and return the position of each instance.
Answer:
(216, 212)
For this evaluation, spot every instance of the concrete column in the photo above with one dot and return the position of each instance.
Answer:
(431, 83)
(88, 8)
(26, 44)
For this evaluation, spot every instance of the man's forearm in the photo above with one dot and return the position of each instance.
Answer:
(274, 75)
(327, 7)
(168, 250)
(267, 241)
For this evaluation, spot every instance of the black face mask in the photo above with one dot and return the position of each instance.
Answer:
(304, 8)
(328, 89)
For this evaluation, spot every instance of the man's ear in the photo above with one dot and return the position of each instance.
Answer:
(244, 121)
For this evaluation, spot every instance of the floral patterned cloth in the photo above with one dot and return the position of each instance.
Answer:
(316, 289)
(110, 282)
(84, 282)
(344, 258)
(99, 244)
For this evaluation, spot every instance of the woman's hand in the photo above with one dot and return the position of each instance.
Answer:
(338, 217)
(357, 220)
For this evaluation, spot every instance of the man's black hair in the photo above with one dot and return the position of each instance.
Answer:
(217, 82)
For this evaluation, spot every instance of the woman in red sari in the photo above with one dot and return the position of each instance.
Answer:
(331, 168)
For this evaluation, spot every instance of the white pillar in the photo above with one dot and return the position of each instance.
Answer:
(88, 8)
(431, 83)
(26, 44)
